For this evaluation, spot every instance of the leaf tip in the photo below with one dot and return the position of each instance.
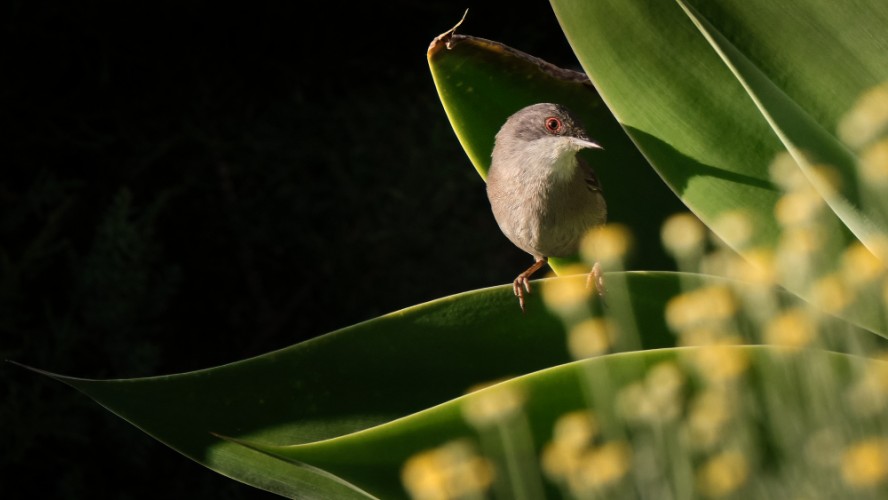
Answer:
(30, 368)
(445, 39)
(66, 379)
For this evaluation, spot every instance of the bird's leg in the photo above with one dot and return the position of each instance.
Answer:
(596, 279)
(522, 283)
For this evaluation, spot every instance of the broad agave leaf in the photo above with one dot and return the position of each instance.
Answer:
(352, 379)
(337, 387)
(721, 96)
(527, 416)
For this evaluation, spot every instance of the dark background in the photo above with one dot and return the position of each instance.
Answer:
(186, 184)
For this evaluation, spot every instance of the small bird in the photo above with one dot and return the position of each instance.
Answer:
(543, 196)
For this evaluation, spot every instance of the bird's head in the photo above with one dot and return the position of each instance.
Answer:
(542, 138)
(547, 125)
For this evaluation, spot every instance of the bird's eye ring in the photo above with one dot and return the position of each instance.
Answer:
(553, 125)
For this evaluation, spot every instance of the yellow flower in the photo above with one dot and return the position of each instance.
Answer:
(785, 172)
(451, 471)
(566, 294)
(683, 235)
(722, 361)
(658, 398)
(607, 244)
(792, 328)
(707, 305)
(865, 463)
(573, 435)
(492, 405)
(874, 163)
(860, 266)
(722, 474)
(591, 337)
(735, 228)
(830, 293)
(799, 207)
(869, 394)
(603, 466)
(867, 118)
(709, 413)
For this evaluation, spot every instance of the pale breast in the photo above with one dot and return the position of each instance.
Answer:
(546, 217)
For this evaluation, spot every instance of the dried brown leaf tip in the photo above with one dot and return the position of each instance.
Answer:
(447, 36)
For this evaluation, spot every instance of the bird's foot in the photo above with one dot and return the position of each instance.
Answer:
(522, 282)
(519, 286)
(596, 279)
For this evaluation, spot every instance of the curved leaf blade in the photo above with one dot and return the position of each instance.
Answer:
(652, 68)
(374, 458)
(352, 379)
(808, 142)
(701, 128)
(378, 372)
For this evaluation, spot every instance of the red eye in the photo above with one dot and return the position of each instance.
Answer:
(553, 125)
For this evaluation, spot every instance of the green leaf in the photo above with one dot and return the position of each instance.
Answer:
(481, 83)
(809, 142)
(683, 109)
(374, 458)
(714, 94)
(385, 369)
(351, 379)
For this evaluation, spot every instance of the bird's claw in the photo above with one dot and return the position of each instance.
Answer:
(595, 278)
(521, 284)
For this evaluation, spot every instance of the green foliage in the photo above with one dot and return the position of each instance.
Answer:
(655, 392)
(374, 420)
(720, 97)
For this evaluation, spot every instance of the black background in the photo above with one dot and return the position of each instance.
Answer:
(186, 184)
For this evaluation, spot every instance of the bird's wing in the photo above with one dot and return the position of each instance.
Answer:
(590, 176)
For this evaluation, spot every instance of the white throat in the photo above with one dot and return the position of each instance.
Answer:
(560, 159)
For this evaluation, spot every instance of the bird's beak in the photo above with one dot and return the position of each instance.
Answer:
(584, 144)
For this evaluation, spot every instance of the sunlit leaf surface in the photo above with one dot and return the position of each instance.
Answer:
(381, 371)
(728, 99)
